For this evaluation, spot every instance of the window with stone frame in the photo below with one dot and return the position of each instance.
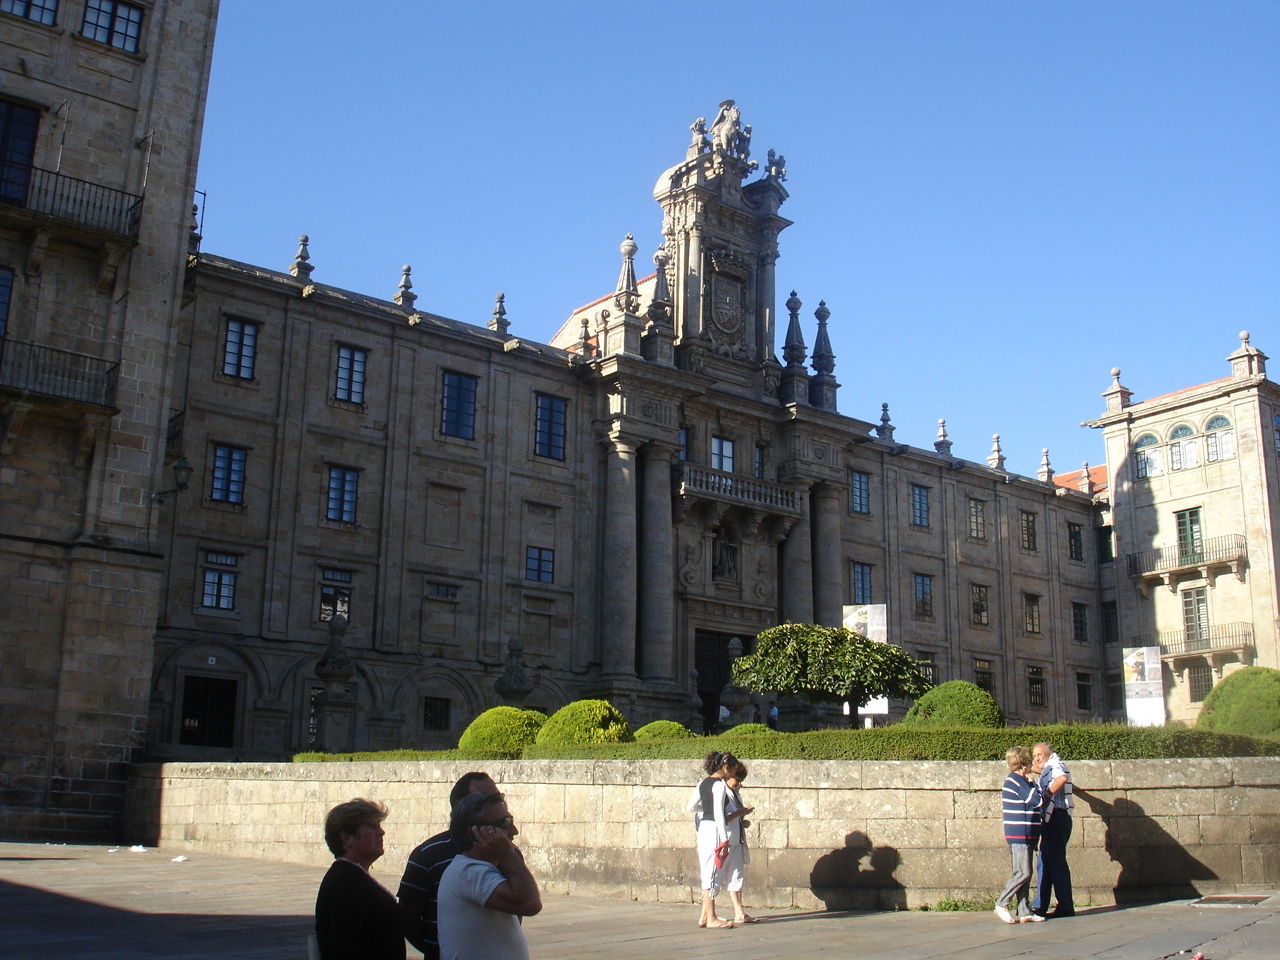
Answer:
(1084, 692)
(859, 492)
(1146, 458)
(342, 494)
(1075, 541)
(757, 462)
(1037, 691)
(1115, 692)
(1199, 681)
(1106, 544)
(550, 425)
(218, 580)
(919, 505)
(37, 11)
(335, 593)
(208, 712)
(861, 579)
(1275, 430)
(977, 518)
(682, 444)
(226, 478)
(540, 564)
(722, 454)
(1080, 622)
(6, 295)
(1031, 613)
(980, 604)
(435, 713)
(926, 662)
(984, 675)
(1110, 622)
(240, 348)
(458, 405)
(1027, 535)
(1183, 449)
(113, 22)
(19, 125)
(349, 374)
(922, 592)
(1220, 439)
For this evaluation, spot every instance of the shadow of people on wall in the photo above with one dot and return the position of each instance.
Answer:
(1154, 865)
(840, 881)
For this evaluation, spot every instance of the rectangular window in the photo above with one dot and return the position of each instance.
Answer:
(1084, 692)
(919, 505)
(226, 483)
(18, 128)
(219, 580)
(114, 23)
(984, 676)
(1030, 613)
(1190, 536)
(240, 349)
(6, 295)
(923, 593)
(1115, 693)
(208, 712)
(980, 605)
(540, 564)
(928, 667)
(722, 454)
(1106, 544)
(550, 425)
(1075, 541)
(682, 454)
(1199, 681)
(757, 462)
(862, 583)
(435, 713)
(349, 377)
(458, 406)
(344, 488)
(1027, 529)
(1035, 687)
(859, 492)
(1110, 622)
(442, 591)
(335, 593)
(41, 11)
(977, 518)
(1195, 618)
(1080, 622)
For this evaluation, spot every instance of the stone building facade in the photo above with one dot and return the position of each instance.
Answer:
(101, 106)
(399, 520)
(1195, 477)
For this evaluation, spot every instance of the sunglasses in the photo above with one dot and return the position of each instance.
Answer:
(506, 823)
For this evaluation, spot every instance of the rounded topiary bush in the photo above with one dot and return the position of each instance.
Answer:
(748, 730)
(502, 729)
(664, 730)
(1247, 702)
(956, 703)
(585, 721)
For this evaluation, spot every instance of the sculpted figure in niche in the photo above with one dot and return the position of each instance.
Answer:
(724, 557)
(727, 128)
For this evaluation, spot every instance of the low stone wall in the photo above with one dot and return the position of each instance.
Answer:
(839, 834)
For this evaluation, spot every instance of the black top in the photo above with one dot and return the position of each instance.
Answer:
(356, 917)
(418, 889)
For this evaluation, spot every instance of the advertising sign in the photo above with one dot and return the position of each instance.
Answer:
(1143, 686)
(871, 620)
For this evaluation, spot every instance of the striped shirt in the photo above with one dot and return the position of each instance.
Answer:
(418, 889)
(1021, 801)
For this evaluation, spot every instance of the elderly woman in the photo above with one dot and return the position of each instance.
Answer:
(708, 806)
(357, 918)
(1020, 799)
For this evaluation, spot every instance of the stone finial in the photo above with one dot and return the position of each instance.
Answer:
(302, 266)
(824, 360)
(404, 293)
(995, 459)
(1045, 472)
(1248, 360)
(885, 430)
(1117, 395)
(584, 340)
(943, 443)
(1086, 482)
(193, 235)
(793, 349)
(499, 322)
(661, 289)
(657, 343)
(627, 296)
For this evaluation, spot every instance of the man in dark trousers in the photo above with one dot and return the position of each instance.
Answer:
(421, 880)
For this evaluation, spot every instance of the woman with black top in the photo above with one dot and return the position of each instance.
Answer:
(357, 918)
(708, 805)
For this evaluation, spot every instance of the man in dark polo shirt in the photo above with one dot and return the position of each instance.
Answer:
(426, 866)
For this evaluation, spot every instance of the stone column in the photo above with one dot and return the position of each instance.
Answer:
(797, 567)
(827, 572)
(619, 642)
(657, 569)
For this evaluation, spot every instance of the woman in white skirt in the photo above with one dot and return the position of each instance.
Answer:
(735, 813)
(708, 807)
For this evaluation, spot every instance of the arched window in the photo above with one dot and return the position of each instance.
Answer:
(1146, 458)
(1220, 439)
(1183, 451)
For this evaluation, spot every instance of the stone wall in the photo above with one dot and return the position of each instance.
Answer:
(836, 834)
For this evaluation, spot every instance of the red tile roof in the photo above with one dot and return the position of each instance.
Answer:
(1072, 480)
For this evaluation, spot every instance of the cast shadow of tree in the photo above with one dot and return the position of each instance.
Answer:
(840, 881)
(1153, 864)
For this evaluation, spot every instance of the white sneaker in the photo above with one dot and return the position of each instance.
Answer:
(1033, 918)
(1004, 914)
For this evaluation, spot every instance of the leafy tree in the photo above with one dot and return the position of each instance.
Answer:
(956, 703)
(828, 664)
(1246, 701)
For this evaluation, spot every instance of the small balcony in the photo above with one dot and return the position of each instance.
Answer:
(31, 370)
(701, 483)
(67, 199)
(1167, 564)
(1219, 638)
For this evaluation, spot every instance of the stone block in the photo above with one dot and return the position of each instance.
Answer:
(583, 803)
(1183, 773)
(978, 835)
(1237, 801)
(1255, 771)
(975, 805)
(918, 774)
(822, 834)
(615, 804)
(1260, 864)
(1183, 801)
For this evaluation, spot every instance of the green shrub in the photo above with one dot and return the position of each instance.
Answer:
(956, 703)
(1247, 701)
(664, 730)
(502, 728)
(749, 730)
(585, 721)
(420, 756)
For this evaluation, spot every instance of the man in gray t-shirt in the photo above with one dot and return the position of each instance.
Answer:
(487, 888)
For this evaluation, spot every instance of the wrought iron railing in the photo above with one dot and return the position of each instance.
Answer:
(1161, 559)
(1220, 636)
(49, 372)
(726, 486)
(79, 201)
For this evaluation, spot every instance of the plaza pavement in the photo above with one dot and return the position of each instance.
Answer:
(100, 903)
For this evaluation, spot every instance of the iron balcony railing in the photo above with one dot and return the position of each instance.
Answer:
(67, 198)
(1163, 559)
(1220, 636)
(718, 485)
(49, 372)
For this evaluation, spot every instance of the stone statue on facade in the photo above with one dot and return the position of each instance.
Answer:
(776, 167)
(701, 142)
(726, 129)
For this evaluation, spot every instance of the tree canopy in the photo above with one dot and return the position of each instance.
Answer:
(825, 664)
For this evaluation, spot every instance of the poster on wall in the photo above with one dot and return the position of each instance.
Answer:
(1143, 686)
(872, 621)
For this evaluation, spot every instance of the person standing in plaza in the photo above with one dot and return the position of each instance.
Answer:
(1054, 880)
(708, 806)
(421, 881)
(1022, 817)
(486, 890)
(735, 816)
(356, 917)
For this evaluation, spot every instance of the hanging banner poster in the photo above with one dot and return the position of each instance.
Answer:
(1143, 686)
(872, 621)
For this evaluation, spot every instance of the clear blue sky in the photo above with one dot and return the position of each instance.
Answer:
(999, 201)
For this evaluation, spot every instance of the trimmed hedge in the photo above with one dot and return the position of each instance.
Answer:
(749, 730)
(405, 754)
(664, 730)
(1247, 701)
(502, 728)
(583, 722)
(956, 703)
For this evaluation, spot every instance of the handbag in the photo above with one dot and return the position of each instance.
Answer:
(722, 853)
